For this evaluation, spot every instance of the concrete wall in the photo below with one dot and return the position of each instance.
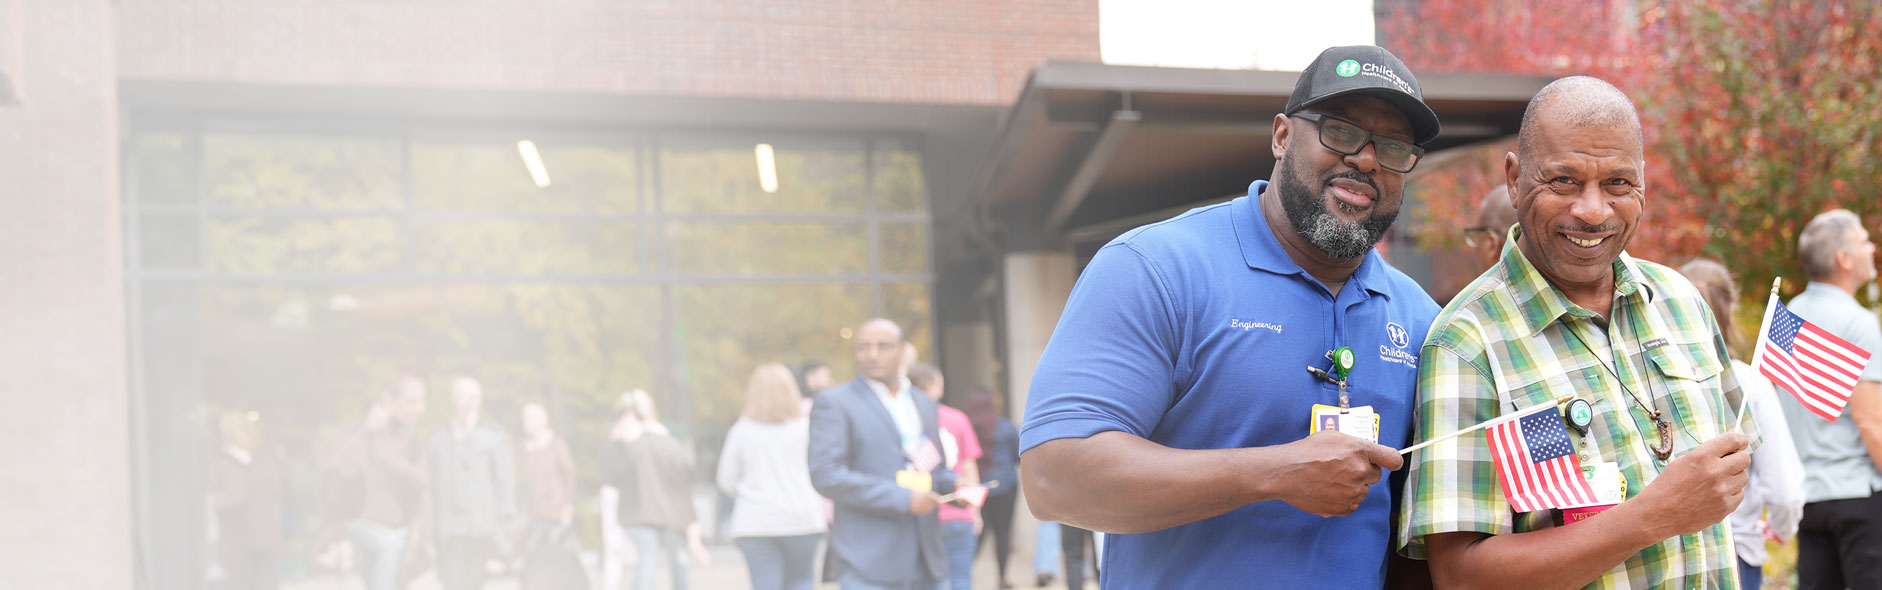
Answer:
(64, 491)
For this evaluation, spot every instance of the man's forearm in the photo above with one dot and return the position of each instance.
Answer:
(1117, 482)
(1560, 557)
(1865, 407)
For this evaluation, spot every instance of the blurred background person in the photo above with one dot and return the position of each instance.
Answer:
(654, 474)
(546, 472)
(960, 523)
(814, 377)
(1776, 487)
(391, 481)
(1045, 555)
(473, 490)
(247, 497)
(778, 518)
(998, 468)
(1495, 214)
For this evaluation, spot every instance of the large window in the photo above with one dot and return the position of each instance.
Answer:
(290, 274)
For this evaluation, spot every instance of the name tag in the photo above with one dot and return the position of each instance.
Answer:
(1359, 422)
(914, 480)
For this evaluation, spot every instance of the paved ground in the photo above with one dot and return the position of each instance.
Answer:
(727, 572)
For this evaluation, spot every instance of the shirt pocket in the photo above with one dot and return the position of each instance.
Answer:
(1689, 383)
(1546, 387)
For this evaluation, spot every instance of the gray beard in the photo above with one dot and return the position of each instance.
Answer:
(1310, 218)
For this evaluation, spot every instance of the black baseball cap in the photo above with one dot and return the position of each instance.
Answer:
(1368, 70)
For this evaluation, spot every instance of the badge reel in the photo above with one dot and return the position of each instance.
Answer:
(1361, 422)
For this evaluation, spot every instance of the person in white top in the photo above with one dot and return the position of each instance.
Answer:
(777, 520)
(1774, 498)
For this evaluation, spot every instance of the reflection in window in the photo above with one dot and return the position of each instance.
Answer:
(904, 247)
(730, 329)
(165, 168)
(899, 182)
(724, 179)
(254, 171)
(490, 176)
(271, 246)
(768, 247)
(909, 304)
(168, 241)
(526, 247)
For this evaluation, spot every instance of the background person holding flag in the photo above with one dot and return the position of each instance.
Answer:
(1839, 542)
(873, 453)
(1568, 312)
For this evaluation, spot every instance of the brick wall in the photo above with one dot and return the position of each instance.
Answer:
(64, 490)
(903, 51)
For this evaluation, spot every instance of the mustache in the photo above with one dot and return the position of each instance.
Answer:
(1356, 176)
(1589, 229)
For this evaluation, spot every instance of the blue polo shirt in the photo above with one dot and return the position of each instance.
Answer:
(1195, 333)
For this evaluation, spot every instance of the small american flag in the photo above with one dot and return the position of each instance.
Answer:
(925, 457)
(1811, 363)
(973, 495)
(1538, 467)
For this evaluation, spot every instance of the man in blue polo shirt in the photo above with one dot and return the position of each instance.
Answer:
(1174, 405)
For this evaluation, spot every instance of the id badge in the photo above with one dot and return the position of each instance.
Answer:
(1610, 488)
(1359, 421)
(918, 481)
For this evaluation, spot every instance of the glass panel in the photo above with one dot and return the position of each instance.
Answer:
(526, 247)
(165, 168)
(909, 304)
(254, 245)
(724, 179)
(167, 241)
(726, 331)
(491, 176)
(904, 247)
(768, 247)
(256, 171)
(900, 185)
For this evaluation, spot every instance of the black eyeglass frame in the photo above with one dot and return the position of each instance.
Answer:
(1319, 120)
(1470, 233)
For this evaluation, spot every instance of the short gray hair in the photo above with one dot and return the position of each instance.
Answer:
(1826, 234)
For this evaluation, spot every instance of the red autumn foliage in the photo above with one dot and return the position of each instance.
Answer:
(1758, 114)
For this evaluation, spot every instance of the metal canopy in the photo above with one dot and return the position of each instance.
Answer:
(1090, 145)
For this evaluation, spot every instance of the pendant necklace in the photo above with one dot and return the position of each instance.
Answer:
(1663, 428)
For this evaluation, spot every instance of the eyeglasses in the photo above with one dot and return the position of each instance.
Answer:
(1479, 234)
(1348, 138)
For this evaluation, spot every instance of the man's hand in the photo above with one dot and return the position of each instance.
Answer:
(922, 503)
(1327, 473)
(1702, 487)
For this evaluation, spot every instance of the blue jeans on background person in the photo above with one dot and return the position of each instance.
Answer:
(1045, 555)
(377, 550)
(781, 563)
(851, 580)
(1750, 577)
(959, 538)
(650, 541)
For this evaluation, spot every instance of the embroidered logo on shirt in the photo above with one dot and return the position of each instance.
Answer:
(1396, 352)
(1247, 325)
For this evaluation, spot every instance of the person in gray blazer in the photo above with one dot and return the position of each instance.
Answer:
(873, 441)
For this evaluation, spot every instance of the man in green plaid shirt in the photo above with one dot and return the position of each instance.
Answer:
(1567, 311)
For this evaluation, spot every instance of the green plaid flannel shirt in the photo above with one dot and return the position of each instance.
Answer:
(1504, 344)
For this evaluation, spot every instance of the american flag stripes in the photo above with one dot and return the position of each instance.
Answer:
(1536, 464)
(925, 457)
(1811, 363)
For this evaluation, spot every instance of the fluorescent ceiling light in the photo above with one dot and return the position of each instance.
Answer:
(767, 168)
(533, 160)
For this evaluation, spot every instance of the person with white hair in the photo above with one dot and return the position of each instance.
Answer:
(1839, 542)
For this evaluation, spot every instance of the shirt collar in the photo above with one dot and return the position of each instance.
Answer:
(882, 389)
(1542, 303)
(1817, 289)
(1262, 251)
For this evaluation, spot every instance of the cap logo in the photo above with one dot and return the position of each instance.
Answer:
(1347, 69)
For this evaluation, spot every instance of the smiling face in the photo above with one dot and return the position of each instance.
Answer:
(1579, 198)
(1340, 204)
